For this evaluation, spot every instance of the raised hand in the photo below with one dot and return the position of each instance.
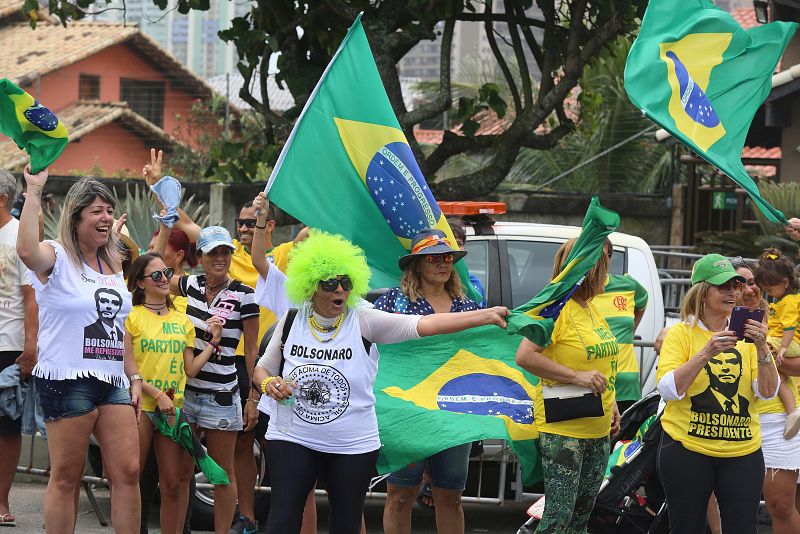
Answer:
(119, 223)
(261, 205)
(152, 171)
(38, 179)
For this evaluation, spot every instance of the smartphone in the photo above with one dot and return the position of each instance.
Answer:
(740, 316)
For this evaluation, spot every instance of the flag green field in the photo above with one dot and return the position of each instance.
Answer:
(347, 167)
(702, 77)
(33, 127)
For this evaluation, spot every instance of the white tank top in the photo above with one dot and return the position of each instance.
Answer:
(335, 407)
(81, 322)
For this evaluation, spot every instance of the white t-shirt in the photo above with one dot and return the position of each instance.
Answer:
(81, 322)
(13, 275)
(335, 406)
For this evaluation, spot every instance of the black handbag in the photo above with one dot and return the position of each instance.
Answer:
(566, 402)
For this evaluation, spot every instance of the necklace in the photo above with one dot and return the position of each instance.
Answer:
(333, 329)
(212, 291)
(155, 307)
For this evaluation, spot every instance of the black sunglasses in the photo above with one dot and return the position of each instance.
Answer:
(331, 285)
(250, 223)
(155, 276)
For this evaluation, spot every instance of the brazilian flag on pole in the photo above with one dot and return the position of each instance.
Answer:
(32, 126)
(701, 76)
(347, 167)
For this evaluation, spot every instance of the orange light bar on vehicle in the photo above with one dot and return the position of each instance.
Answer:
(472, 208)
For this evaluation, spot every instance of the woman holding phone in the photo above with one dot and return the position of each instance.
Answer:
(710, 380)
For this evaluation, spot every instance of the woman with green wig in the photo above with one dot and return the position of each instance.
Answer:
(324, 424)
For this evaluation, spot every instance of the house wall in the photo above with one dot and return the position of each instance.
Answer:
(108, 150)
(790, 142)
(59, 90)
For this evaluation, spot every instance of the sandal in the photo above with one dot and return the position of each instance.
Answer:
(8, 520)
(425, 497)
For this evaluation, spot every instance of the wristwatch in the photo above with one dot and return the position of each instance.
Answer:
(137, 376)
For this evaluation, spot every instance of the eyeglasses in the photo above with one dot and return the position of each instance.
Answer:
(331, 285)
(737, 261)
(436, 258)
(730, 284)
(250, 223)
(155, 276)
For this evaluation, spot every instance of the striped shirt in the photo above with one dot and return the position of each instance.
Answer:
(234, 304)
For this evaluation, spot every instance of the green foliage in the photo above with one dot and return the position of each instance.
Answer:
(784, 196)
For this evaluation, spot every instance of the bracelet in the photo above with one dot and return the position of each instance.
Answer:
(261, 227)
(159, 395)
(252, 400)
(265, 382)
(215, 346)
(766, 360)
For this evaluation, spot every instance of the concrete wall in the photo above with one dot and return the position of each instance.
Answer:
(647, 217)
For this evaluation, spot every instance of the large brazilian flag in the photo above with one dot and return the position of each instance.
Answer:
(347, 167)
(701, 76)
(33, 127)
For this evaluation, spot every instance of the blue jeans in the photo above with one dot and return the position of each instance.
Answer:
(449, 469)
(76, 397)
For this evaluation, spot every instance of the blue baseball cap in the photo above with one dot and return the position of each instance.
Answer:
(212, 237)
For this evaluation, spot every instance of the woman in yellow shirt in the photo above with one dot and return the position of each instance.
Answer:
(161, 339)
(583, 352)
(710, 381)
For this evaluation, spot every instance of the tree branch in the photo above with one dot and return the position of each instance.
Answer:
(500, 17)
(501, 62)
(444, 98)
(522, 62)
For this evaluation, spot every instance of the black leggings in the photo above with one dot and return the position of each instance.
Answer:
(294, 470)
(689, 478)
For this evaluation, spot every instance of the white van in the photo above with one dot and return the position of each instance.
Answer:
(514, 262)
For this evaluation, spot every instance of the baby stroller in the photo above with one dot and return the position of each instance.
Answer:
(631, 499)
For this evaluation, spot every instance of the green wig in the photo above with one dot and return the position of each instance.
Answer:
(323, 256)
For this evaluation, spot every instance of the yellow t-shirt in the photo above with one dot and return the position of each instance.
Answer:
(242, 269)
(180, 303)
(775, 405)
(581, 340)
(719, 421)
(158, 345)
(623, 296)
(783, 315)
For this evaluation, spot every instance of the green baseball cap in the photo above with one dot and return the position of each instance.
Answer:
(714, 269)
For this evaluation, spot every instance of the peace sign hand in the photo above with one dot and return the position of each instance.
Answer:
(152, 171)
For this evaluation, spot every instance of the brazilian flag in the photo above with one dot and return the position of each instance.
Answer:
(702, 77)
(442, 391)
(347, 167)
(32, 126)
(536, 319)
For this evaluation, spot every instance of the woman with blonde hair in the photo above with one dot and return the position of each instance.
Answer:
(710, 380)
(83, 377)
(581, 359)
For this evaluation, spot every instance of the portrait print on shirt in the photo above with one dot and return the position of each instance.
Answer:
(103, 339)
(720, 412)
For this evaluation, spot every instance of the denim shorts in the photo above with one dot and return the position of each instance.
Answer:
(8, 426)
(76, 397)
(203, 410)
(448, 469)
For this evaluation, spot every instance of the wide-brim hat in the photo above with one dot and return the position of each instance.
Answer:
(430, 241)
(212, 237)
(714, 269)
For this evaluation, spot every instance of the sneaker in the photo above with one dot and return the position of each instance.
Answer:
(792, 425)
(242, 525)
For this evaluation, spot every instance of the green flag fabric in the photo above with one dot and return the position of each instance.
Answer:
(536, 318)
(33, 127)
(347, 167)
(181, 433)
(701, 76)
(442, 391)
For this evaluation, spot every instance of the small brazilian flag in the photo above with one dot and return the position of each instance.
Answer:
(701, 76)
(536, 319)
(347, 167)
(438, 392)
(32, 126)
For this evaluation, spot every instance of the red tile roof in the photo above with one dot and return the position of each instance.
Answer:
(760, 152)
